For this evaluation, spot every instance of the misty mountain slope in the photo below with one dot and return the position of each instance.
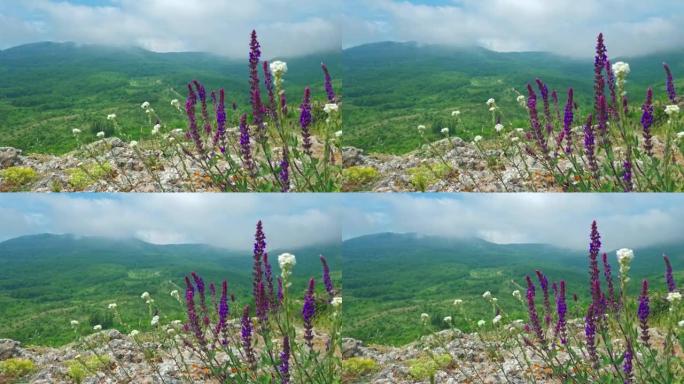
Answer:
(390, 88)
(390, 279)
(47, 280)
(47, 89)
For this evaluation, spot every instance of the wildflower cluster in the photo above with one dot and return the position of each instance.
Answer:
(271, 338)
(274, 148)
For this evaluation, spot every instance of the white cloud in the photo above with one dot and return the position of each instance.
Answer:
(286, 28)
(221, 220)
(567, 27)
(560, 219)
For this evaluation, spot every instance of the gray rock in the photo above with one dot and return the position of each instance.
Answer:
(9, 349)
(9, 157)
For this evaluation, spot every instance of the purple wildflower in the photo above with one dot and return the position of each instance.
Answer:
(532, 311)
(268, 276)
(599, 63)
(602, 117)
(305, 120)
(671, 92)
(283, 103)
(589, 147)
(220, 134)
(284, 175)
(609, 280)
(245, 146)
(202, 93)
(268, 82)
(611, 87)
(627, 175)
(669, 278)
(544, 90)
(594, 248)
(647, 122)
(193, 321)
(261, 304)
(329, 90)
(627, 365)
(223, 308)
(561, 310)
(203, 299)
(308, 311)
(326, 278)
(258, 254)
(544, 283)
(246, 333)
(193, 132)
(590, 334)
(255, 93)
(534, 120)
(643, 312)
(280, 291)
(567, 122)
(285, 362)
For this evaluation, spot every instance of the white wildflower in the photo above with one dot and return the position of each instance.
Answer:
(175, 294)
(149, 110)
(76, 131)
(487, 295)
(421, 128)
(286, 262)
(681, 323)
(111, 116)
(330, 108)
(445, 131)
(424, 317)
(621, 69)
(145, 105)
(520, 130)
(170, 331)
(338, 134)
(492, 109)
(134, 333)
(477, 138)
(481, 323)
(112, 306)
(458, 302)
(680, 135)
(455, 113)
(447, 319)
(278, 68)
(176, 323)
(491, 102)
(145, 296)
(155, 321)
(671, 110)
(499, 127)
(74, 323)
(496, 319)
(175, 103)
(133, 144)
(100, 134)
(336, 301)
(674, 296)
(97, 328)
(156, 129)
(514, 139)
(522, 100)
(625, 257)
(517, 294)
(150, 301)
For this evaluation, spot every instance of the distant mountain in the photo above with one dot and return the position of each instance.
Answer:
(390, 278)
(391, 87)
(46, 89)
(47, 279)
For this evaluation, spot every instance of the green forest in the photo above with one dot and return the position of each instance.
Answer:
(390, 88)
(48, 280)
(48, 89)
(390, 279)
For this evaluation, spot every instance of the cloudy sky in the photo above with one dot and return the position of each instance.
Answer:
(285, 27)
(225, 220)
(567, 27)
(625, 220)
